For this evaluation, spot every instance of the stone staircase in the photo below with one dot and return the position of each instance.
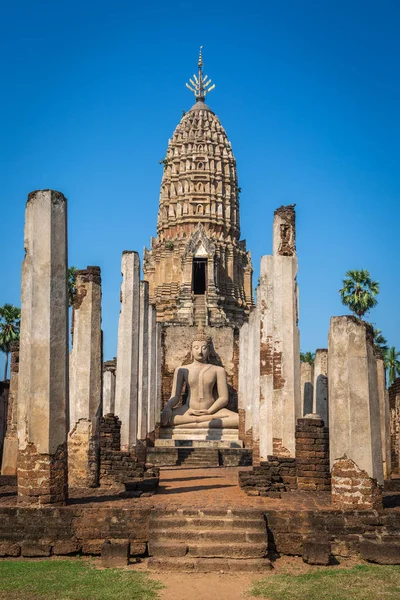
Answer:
(208, 540)
(198, 457)
(200, 310)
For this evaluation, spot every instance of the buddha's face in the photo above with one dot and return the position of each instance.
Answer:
(200, 350)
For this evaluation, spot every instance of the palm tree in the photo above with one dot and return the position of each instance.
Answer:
(392, 363)
(307, 357)
(10, 320)
(71, 284)
(359, 292)
(380, 343)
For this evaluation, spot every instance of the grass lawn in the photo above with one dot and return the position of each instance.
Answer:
(71, 580)
(363, 582)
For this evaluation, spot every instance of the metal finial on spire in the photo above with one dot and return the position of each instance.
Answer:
(200, 84)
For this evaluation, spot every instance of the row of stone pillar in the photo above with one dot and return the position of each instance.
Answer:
(56, 397)
(270, 379)
(138, 374)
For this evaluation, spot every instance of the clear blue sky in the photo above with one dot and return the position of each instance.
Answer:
(308, 92)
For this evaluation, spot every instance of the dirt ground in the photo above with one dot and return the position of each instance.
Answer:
(228, 586)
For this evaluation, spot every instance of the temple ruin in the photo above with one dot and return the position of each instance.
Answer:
(207, 376)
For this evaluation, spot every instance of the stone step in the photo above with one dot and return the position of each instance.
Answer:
(209, 513)
(207, 550)
(216, 535)
(207, 565)
(204, 522)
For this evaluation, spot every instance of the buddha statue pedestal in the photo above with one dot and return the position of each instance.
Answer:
(198, 438)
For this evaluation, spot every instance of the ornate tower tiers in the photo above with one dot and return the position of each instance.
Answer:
(197, 268)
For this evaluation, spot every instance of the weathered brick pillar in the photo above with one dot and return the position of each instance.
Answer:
(394, 407)
(354, 418)
(10, 448)
(85, 381)
(320, 400)
(43, 365)
(312, 454)
(143, 375)
(385, 417)
(353, 488)
(4, 393)
(109, 370)
(126, 387)
(307, 387)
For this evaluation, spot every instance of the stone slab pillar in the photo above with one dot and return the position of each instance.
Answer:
(152, 371)
(384, 417)
(354, 416)
(43, 365)
(307, 387)
(320, 400)
(143, 374)
(85, 380)
(126, 387)
(242, 386)
(109, 370)
(277, 302)
(10, 448)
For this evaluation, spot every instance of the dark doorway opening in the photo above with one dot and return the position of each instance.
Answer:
(199, 276)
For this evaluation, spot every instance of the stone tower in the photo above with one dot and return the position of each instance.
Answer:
(198, 269)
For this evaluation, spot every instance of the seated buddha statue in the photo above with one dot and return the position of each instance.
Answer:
(207, 389)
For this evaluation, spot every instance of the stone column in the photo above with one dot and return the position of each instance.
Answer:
(354, 416)
(394, 406)
(307, 387)
(43, 366)
(126, 387)
(152, 371)
(85, 381)
(384, 417)
(253, 397)
(4, 393)
(265, 310)
(109, 370)
(143, 374)
(159, 363)
(243, 378)
(10, 448)
(280, 393)
(320, 401)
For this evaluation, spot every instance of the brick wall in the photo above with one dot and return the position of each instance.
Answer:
(272, 477)
(352, 488)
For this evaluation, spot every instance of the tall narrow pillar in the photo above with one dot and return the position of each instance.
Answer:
(43, 367)
(152, 371)
(320, 401)
(85, 381)
(126, 387)
(307, 387)
(10, 448)
(354, 415)
(280, 393)
(253, 397)
(109, 370)
(143, 373)
(265, 310)
(385, 417)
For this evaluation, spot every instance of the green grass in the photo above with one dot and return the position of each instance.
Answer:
(72, 580)
(364, 582)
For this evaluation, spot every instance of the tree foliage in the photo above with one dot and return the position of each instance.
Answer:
(380, 343)
(10, 321)
(307, 357)
(359, 292)
(71, 284)
(392, 364)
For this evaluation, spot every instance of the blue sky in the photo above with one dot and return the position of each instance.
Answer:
(308, 93)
